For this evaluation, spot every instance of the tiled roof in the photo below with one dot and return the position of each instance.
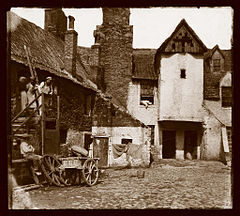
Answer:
(143, 64)
(47, 51)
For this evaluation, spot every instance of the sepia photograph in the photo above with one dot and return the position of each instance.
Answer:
(120, 108)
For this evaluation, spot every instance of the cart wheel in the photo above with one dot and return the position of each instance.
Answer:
(50, 167)
(90, 172)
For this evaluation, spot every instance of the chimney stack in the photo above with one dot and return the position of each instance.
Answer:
(55, 22)
(70, 49)
(71, 22)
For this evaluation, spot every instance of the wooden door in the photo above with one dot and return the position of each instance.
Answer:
(100, 150)
(190, 143)
(169, 144)
(52, 137)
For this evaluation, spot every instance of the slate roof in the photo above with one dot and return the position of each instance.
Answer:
(47, 51)
(143, 64)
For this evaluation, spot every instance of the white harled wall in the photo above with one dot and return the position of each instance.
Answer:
(181, 98)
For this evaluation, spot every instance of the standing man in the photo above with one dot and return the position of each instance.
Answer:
(32, 89)
(46, 88)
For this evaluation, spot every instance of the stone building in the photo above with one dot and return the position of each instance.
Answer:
(84, 112)
(177, 90)
(176, 98)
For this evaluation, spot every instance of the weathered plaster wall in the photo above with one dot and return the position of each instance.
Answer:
(149, 115)
(139, 135)
(181, 99)
(212, 139)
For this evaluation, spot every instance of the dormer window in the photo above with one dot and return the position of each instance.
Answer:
(216, 64)
(183, 74)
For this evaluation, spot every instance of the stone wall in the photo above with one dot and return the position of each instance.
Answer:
(72, 105)
(107, 114)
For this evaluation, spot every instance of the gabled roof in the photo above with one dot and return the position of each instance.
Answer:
(182, 24)
(143, 64)
(210, 52)
(212, 80)
(47, 51)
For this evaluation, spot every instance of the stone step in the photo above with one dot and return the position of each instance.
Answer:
(20, 119)
(23, 135)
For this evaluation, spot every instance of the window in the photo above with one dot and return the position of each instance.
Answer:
(216, 64)
(147, 94)
(226, 96)
(183, 74)
(229, 135)
(126, 141)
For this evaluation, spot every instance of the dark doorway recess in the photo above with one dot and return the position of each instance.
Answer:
(190, 144)
(169, 144)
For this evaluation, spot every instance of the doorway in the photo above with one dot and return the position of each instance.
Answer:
(190, 144)
(100, 150)
(169, 144)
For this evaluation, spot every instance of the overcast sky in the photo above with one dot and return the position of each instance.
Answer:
(152, 26)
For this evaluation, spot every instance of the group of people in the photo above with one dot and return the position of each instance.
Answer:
(30, 90)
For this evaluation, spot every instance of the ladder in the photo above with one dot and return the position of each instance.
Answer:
(31, 67)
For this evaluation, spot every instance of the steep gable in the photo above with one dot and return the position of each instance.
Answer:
(183, 39)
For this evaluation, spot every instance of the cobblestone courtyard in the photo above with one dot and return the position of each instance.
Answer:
(167, 184)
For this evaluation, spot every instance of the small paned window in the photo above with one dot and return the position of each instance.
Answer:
(183, 74)
(226, 96)
(147, 94)
(216, 64)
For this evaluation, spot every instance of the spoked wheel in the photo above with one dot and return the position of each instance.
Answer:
(90, 172)
(50, 167)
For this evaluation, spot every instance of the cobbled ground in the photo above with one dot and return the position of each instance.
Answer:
(171, 184)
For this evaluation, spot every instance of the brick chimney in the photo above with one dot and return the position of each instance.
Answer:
(55, 22)
(115, 37)
(70, 49)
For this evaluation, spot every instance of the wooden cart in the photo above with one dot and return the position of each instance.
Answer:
(70, 170)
